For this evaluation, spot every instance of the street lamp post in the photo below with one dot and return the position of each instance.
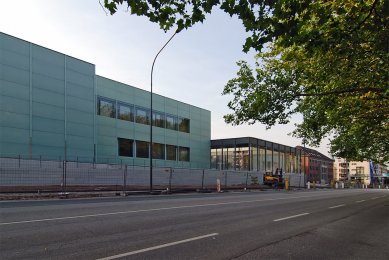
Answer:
(151, 110)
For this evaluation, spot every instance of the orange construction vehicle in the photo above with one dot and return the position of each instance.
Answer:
(274, 179)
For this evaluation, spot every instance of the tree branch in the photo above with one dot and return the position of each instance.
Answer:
(364, 20)
(377, 90)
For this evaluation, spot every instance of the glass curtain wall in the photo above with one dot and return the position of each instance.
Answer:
(230, 158)
(262, 160)
(264, 157)
(269, 160)
(254, 158)
(213, 158)
(293, 168)
(242, 159)
(289, 161)
(276, 160)
(282, 161)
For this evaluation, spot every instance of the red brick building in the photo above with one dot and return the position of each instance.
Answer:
(317, 166)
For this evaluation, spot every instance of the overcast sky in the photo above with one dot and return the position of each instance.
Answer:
(193, 68)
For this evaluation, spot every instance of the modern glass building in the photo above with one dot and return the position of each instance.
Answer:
(252, 154)
(53, 106)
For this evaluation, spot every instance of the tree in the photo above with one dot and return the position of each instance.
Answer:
(327, 60)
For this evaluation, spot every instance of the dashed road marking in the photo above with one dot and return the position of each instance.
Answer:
(337, 206)
(158, 247)
(294, 216)
(359, 201)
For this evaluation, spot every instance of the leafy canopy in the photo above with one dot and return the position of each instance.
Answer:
(325, 59)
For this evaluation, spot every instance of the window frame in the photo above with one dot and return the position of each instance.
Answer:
(137, 145)
(162, 155)
(154, 120)
(107, 100)
(182, 126)
(130, 106)
(131, 147)
(147, 120)
(175, 122)
(181, 148)
(167, 146)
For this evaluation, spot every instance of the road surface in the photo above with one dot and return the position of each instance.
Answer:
(321, 224)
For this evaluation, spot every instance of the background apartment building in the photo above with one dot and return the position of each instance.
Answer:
(364, 172)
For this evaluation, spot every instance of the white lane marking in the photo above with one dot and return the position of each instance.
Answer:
(294, 216)
(146, 210)
(337, 206)
(158, 247)
(374, 198)
(359, 201)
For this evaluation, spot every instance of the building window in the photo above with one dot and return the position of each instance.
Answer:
(125, 112)
(171, 152)
(158, 119)
(158, 151)
(360, 171)
(125, 147)
(106, 107)
(142, 116)
(171, 122)
(183, 125)
(184, 154)
(142, 149)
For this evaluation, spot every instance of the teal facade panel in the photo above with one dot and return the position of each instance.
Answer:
(34, 99)
(109, 129)
(11, 89)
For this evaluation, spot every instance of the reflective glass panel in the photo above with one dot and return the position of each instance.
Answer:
(158, 151)
(142, 116)
(106, 107)
(142, 149)
(171, 152)
(184, 154)
(171, 122)
(158, 119)
(125, 112)
(183, 125)
(125, 147)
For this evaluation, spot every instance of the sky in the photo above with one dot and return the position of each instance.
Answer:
(193, 68)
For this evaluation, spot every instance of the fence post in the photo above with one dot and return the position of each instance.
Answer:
(64, 176)
(19, 161)
(225, 180)
(247, 179)
(170, 179)
(124, 179)
(202, 181)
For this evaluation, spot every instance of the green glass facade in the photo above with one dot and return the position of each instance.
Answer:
(54, 106)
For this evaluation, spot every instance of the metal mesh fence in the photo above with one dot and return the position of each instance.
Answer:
(32, 175)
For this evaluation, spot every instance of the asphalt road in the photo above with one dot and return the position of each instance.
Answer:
(328, 224)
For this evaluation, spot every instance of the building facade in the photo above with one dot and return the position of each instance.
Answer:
(356, 172)
(252, 154)
(53, 106)
(317, 167)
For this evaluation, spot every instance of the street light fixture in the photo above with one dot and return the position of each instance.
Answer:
(151, 110)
